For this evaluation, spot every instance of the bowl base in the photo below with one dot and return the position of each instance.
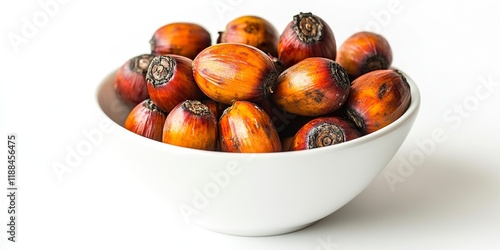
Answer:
(259, 233)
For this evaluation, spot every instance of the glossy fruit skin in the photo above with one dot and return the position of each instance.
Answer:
(191, 124)
(180, 38)
(322, 132)
(170, 81)
(147, 120)
(312, 87)
(363, 52)
(130, 80)
(377, 99)
(245, 128)
(227, 72)
(307, 35)
(251, 30)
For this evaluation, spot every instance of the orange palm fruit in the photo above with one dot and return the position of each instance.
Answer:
(363, 52)
(227, 72)
(312, 87)
(307, 35)
(146, 119)
(170, 81)
(246, 128)
(181, 38)
(191, 124)
(324, 131)
(377, 98)
(251, 30)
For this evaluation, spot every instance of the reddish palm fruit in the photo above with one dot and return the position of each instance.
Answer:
(191, 124)
(312, 87)
(130, 80)
(377, 98)
(147, 120)
(184, 39)
(364, 52)
(324, 131)
(307, 35)
(251, 30)
(245, 128)
(170, 81)
(227, 72)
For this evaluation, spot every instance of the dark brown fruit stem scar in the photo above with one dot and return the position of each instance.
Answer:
(220, 37)
(269, 83)
(356, 118)
(325, 134)
(403, 78)
(340, 75)
(374, 62)
(161, 70)
(308, 27)
(196, 107)
(149, 104)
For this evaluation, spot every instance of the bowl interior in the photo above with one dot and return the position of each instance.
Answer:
(116, 110)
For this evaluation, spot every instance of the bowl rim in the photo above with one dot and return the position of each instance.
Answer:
(411, 111)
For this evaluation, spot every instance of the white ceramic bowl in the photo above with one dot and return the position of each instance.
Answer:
(257, 194)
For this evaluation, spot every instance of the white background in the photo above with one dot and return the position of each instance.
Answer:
(444, 191)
